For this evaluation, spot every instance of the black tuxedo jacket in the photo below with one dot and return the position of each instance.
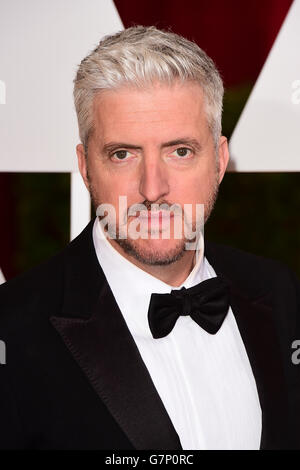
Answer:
(74, 378)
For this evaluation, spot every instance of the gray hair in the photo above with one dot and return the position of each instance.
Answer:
(139, 56)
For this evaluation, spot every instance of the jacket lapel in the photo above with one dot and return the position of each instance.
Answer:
(97, 336)
(254, 314)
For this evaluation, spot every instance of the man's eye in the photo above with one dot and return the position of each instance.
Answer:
(182, 152)
(121, 154)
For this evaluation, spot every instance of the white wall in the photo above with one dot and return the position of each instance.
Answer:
(41, 44)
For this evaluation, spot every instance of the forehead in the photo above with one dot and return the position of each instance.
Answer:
(160, 112)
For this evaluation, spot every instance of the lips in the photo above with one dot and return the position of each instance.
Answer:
(155, 218)
(155, 215)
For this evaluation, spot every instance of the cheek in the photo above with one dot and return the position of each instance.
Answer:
(110, 187)
(197, 189)
(189, 190)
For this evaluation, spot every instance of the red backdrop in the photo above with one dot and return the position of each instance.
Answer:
(237, 35)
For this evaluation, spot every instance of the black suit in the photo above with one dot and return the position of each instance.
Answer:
(74, 378)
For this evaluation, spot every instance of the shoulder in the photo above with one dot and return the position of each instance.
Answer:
(236, 256)
(40, 291)
(37, 290)
(248, 270)
(47, 277)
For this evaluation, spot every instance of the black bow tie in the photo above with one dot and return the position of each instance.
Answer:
(207, 303)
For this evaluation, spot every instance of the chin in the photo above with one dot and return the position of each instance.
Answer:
(154, 252)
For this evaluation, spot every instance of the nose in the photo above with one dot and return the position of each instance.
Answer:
(153, 179)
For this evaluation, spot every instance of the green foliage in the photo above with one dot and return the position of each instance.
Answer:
(259, 212)
(233, 104)
(43, 216)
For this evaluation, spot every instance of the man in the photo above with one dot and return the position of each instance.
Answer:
(140, 342)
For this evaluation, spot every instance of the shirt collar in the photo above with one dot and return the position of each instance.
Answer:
(132, 286)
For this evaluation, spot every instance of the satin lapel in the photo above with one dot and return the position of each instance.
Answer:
(103, 347)
(255, 319)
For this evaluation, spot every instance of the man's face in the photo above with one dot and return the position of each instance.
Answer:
(152, 146)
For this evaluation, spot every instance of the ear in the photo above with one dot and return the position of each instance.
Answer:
(82, 163)
(223, 156)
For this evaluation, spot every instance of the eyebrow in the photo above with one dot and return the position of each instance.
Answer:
(110, 146)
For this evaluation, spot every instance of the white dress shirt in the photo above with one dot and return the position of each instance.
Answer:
(204, 381)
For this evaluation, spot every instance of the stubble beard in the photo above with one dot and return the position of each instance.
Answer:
(154, 257)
